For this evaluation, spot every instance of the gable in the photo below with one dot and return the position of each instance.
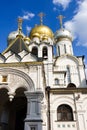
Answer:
(17, 46)
(66, 60)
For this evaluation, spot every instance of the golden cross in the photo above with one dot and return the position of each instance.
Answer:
(20, 24)
(60, 17)
(41, 15)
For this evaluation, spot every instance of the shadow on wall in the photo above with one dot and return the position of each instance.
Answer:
(12, 114)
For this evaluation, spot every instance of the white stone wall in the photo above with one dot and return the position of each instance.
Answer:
(68, 46)
(77, 74)
(27, 76)
(79, 108)
(40, 50)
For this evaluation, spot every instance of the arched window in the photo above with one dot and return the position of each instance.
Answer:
(45, 52)
(70, 49)
(59, 50)
(64, 48)
(68, 74)
(35, 51)
(71, 85)
(56, 81)
(64, 113)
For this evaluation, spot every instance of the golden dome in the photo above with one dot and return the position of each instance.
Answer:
(27, 39)
(45, 37)
(41, 30)
(36, 35)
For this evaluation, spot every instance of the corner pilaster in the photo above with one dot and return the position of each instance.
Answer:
(33, 119)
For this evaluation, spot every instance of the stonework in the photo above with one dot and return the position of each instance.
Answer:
(42, 88)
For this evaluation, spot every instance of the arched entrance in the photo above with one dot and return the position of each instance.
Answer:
(13, 113)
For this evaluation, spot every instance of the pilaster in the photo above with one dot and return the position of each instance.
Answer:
(33, 119)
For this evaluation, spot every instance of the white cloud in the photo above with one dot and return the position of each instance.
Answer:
(28, 29)
(28, 15)
(55, 9)
(63, 3)
(78, 24)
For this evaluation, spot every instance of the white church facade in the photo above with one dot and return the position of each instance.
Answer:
(40, 90)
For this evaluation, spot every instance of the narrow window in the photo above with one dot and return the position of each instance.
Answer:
(35, 51)
(64, 113)
(45, 52)
(71, 85)
(56, 81)
(33, 127)
(65, 48)
(4, 78)
(59, 50)
(68, 74)
(64, 78)
(70, 49)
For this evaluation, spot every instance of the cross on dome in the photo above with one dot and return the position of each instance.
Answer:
(41, 15)
(60, 17)
(20, 24)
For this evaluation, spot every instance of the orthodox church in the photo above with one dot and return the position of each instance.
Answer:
(40, 90)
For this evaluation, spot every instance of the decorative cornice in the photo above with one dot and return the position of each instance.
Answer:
(20, 64)
(68, 90)
(30, 87)
(62, 38)
(34, 95)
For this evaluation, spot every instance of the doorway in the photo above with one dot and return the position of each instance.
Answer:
(14, 113)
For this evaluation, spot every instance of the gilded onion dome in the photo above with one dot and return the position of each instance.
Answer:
(45, 37)
(36, 35)
(26, 40)
(41, 31)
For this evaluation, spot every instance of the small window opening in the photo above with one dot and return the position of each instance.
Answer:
(4, 78)
(35, 51)
(45, 53)
(33, 128)
(56, 81)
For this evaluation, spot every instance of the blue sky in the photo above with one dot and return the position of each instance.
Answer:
(75, 12)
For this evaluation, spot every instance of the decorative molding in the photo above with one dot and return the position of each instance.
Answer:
(19, 64)
(68, 90)
(20, 74)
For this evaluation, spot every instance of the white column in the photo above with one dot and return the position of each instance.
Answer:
(82, 125)
(33, 119)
